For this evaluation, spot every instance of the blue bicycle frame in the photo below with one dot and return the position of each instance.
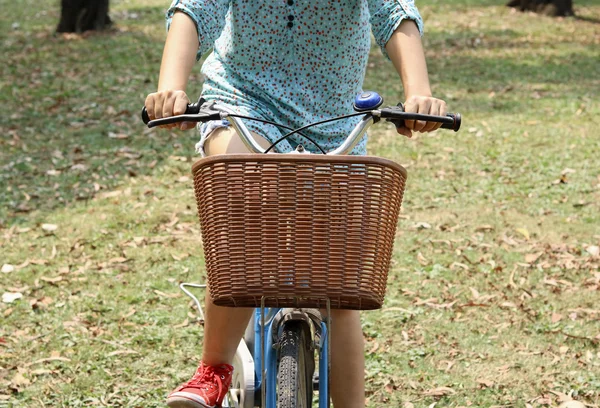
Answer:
(270, 359)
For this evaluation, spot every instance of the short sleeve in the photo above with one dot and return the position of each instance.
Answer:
(208, 15)
(386, 16)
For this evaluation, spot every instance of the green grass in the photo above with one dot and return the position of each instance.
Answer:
(493, 293)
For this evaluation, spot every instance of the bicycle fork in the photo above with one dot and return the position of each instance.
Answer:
(319, 330)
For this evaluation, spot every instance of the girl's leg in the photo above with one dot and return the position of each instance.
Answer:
(347, 360)
(223, 330)
(224, 326)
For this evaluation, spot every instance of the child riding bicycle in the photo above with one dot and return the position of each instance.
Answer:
(293, 62)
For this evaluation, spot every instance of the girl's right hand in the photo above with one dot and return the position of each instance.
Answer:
(163, 104)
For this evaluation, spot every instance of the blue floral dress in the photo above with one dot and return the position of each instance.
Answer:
(292, 61)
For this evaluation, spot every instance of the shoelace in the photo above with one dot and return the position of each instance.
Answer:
(206, 379)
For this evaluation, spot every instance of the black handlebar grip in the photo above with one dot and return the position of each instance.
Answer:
(455, 125)
(145, 116)
(191, 109)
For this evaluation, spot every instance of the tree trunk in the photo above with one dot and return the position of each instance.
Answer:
(552, 8)
(78, 16)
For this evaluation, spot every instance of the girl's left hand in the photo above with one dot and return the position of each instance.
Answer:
(426, 105)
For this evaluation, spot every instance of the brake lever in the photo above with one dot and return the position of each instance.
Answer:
(399, 123)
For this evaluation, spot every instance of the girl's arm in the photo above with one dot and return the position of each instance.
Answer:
(179, 56)
(406, 52)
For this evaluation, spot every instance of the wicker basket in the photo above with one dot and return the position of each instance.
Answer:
(298, 229)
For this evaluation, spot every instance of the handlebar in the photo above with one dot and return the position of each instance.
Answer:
(366, 103)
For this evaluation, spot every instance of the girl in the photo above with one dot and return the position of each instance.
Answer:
(292, 62)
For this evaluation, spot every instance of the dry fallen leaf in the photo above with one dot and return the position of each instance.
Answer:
(128, 314)
(119, 352)
(422, 260)
(459, 265)
(550, 282)
(7, 268)
(531, 258)
(53, 280)
(524, 232)
(508, 305)
(9, 297)
(41, 303)
(19, 381)
(54, 357)
(180, 257)
(485, 383)
(571, 404)
(113, 135)
(110, 194)
(185, 323)
(79, 167)
(593, 250)
(562, 397)
(49, 227)
(41, 371)
(167, 295)
(439, 392)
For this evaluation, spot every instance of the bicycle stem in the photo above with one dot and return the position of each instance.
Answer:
(252, 145)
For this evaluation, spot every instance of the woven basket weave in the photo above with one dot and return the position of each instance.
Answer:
(298, 229)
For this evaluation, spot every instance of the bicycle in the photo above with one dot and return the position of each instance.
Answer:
(358, 196)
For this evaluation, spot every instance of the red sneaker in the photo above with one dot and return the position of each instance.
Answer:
(206, 389)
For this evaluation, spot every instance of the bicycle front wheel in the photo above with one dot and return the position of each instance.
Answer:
(296, 367)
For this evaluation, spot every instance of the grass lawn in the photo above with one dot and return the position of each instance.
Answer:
(494, 293)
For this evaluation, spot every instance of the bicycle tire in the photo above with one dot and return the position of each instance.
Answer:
(296, 367)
